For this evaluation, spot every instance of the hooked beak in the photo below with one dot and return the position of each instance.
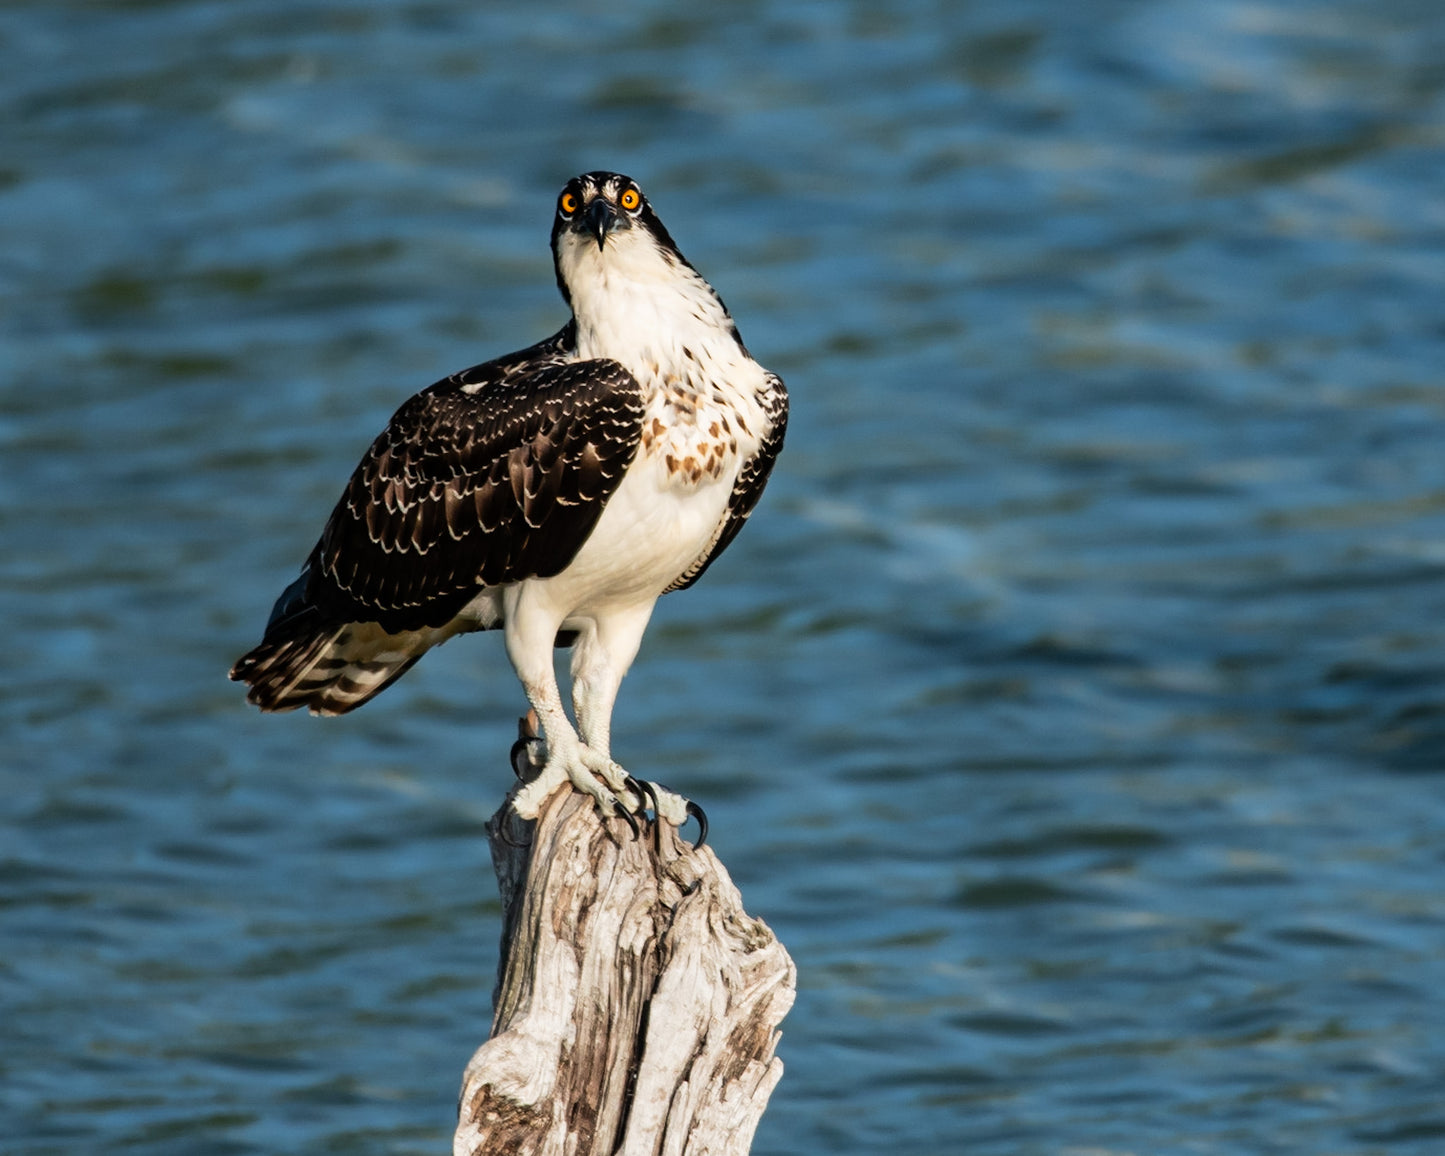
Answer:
(602, 218)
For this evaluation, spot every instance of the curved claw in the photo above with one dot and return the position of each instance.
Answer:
(701, 816)
(644, 791)
(631, 821)
(518, 748)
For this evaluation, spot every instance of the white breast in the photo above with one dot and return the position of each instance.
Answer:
(637, 305)
(651, 531)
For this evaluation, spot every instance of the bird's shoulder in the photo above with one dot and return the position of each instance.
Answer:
(485, 412)
(493, 474)
(559, 349)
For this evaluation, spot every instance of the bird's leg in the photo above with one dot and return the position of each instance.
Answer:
(604, 649)
(601, 656)
(530, 632)
(568, 760)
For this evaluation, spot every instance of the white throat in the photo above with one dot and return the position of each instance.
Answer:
(638, 305)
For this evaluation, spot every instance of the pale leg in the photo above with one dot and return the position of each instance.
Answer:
(601, 656)
(532, 625)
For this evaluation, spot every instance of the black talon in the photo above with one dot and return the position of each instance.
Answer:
(519, 747)
(631, 822)
(644, 791)
(701, 816)
(647, 793)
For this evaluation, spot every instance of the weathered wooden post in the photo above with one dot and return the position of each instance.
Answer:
(637, 1003)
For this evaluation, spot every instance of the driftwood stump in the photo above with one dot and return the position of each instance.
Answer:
(637, 1004)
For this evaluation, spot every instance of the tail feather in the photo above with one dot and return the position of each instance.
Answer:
(329, 668)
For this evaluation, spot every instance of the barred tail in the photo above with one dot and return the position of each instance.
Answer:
(327, 667)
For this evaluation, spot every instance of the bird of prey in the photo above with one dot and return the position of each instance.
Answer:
(554, 494)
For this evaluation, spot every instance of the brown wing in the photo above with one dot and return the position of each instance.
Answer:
(491, 476)
(749, 486)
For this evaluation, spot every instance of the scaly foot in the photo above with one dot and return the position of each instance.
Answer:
(616, 793)
(596, 776)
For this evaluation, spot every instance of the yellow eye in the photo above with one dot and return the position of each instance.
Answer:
(568, 203)
(630, 199)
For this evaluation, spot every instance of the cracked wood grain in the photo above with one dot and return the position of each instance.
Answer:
(637, 1003)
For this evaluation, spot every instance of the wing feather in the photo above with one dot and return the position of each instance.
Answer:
(490, 476)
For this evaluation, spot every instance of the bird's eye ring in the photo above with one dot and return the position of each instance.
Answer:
(630, 199)
(568, 204)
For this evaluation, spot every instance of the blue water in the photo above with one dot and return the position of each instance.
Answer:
(1073, 708)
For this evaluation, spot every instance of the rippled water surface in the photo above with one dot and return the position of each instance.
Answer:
(1072, 708)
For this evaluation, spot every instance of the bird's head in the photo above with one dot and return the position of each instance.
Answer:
(634, 297)
(604, 223)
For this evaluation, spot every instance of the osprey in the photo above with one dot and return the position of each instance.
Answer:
(554, 494)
